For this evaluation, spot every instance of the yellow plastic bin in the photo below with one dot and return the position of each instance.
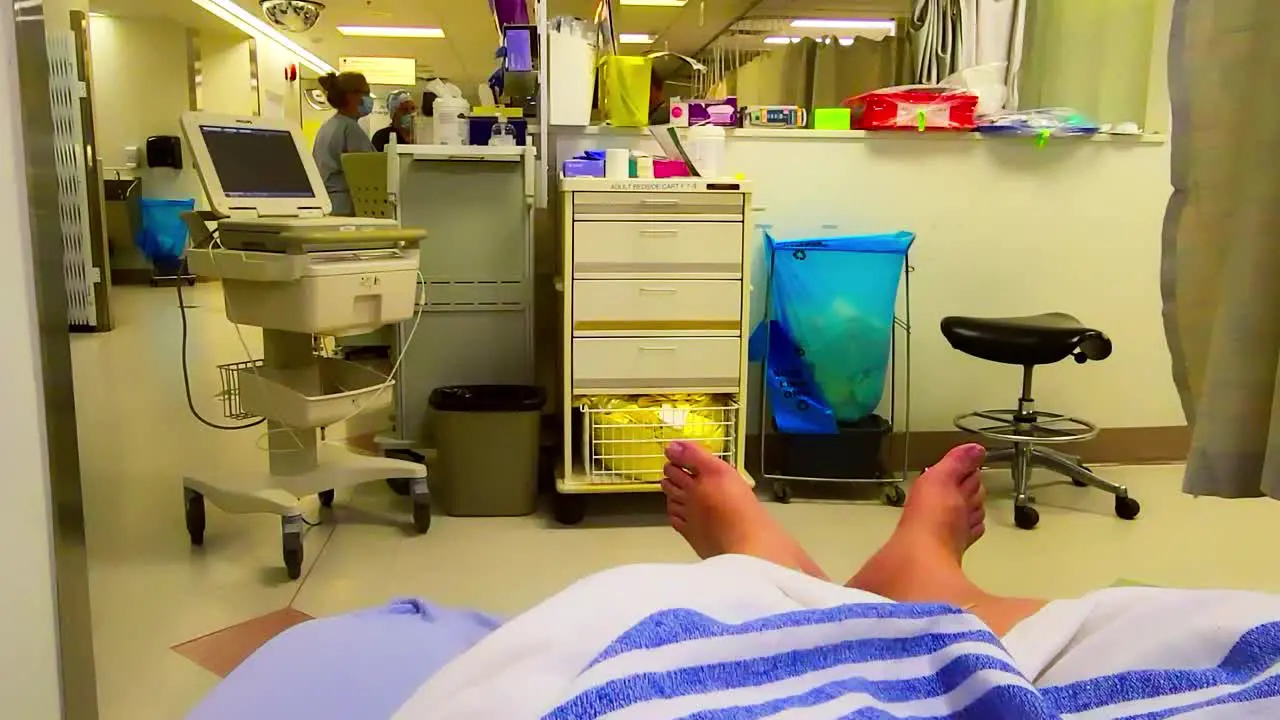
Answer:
(487, 440)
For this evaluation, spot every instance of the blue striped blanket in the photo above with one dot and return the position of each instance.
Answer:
(751, 640)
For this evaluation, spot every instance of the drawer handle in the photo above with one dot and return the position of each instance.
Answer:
(660, 233)
(659, 348)
(660, 203)
(657, 291)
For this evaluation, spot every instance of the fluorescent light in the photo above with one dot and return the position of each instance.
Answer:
(249, 23)
(889, 25)
(390, 32)
(780, 40)
(654, 3)
(635, 39)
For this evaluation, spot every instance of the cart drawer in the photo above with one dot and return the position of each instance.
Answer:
(712, 248)
(669, 364)
(619, 306)
(727, 204)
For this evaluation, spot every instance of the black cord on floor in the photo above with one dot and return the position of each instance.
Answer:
(186, 374)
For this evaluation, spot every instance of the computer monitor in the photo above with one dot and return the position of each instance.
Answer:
(254, 164)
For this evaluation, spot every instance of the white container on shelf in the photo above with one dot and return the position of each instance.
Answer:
(572, 79)
(451, 120)
(707, 150)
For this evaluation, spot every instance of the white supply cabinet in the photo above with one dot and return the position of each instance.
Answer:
(656, 302)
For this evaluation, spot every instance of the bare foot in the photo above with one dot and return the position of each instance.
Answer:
(922, 561)
(944, 516)
(718, 514)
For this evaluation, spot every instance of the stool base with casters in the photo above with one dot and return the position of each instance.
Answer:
(1031, 341)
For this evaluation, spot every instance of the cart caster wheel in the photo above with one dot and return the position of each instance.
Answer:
(1026, 517)
(326, 498)
(400, 486)
(195, 517)
(422, 516)
(782, 493)
(1127, 508)
(895, 496)
(569, 509)
(293, 556)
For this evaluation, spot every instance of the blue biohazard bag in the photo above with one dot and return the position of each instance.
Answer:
(163, 235)
(828, 337)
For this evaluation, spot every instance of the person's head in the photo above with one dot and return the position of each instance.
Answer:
(401, 107)
(348, 93)
(657, 90)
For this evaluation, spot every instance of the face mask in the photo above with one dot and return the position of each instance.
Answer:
(406, 122)
(366, 106)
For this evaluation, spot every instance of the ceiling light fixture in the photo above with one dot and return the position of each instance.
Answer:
(789, 39)
(635, 39)
(390, 32)
(249, 23)
(889, 25)
(654, 3)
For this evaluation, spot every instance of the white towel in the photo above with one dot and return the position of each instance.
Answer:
(737, 637)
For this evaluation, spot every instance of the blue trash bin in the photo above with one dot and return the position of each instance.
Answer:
(828, 336)
(163, 234)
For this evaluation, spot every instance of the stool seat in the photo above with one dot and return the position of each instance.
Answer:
(1027, 340)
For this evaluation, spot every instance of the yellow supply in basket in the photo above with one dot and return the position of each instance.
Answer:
(629, 435)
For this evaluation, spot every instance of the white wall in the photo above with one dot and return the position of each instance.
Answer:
(141, 89)
(224, 60)
(277, 93)
(1004, 229)
(29, 680)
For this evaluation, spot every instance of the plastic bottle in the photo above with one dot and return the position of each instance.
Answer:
(707, 149)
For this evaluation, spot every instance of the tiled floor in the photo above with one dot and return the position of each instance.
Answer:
(151, 591)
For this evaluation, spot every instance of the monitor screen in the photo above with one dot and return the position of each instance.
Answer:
(256, 162)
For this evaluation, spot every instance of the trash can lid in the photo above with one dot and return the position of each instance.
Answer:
(489, 398)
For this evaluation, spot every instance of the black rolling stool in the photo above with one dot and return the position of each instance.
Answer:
(1031, 341)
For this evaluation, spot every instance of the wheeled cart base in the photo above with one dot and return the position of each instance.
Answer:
(282, 495)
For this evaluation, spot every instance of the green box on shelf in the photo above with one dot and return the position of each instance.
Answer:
(832, 119)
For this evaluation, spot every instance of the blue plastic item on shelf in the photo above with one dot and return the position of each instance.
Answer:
(829, 332)
(163, 234)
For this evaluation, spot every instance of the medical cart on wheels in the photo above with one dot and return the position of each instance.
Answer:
(292, 270)
(656, 308)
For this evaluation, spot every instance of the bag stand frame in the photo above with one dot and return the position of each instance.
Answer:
(900, 347)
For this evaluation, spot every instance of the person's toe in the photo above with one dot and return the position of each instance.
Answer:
(674, 489)
(677, 476)
(976, 532)
(972, 489)
(694, 459)
(961, 462)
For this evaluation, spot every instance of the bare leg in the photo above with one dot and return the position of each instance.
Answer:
(718, 514)
(922, 561)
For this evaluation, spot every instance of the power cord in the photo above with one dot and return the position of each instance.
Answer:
(186, 374)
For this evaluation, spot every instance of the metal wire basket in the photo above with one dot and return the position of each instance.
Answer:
(627, 444)
(230, 395)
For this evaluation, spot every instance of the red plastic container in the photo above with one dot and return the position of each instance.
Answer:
(914, 108)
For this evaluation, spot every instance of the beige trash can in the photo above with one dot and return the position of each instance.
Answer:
(487, 443)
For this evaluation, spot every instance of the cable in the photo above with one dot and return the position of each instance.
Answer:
(186, 374)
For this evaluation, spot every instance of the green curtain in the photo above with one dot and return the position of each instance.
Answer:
(1092, 55)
